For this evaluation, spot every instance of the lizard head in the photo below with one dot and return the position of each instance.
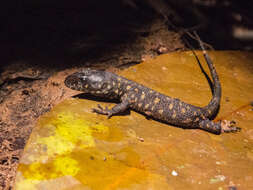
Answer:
(88, 81)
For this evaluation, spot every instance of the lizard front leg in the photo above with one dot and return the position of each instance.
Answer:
(118, 108)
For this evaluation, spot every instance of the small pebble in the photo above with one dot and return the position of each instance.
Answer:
(140, 139)
(174, 173)
(164, 68)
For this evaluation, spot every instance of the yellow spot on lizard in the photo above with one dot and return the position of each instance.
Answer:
(160, 111)
(142, 96)
(156, 100)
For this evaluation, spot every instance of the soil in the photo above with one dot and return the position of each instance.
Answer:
(43, 42)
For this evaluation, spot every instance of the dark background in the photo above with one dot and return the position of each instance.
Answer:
(47, 27)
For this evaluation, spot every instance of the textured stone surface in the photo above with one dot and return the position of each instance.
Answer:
(72, 148)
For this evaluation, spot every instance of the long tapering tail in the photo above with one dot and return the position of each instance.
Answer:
(213, 105)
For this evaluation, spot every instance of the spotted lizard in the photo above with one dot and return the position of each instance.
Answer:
(135, 96)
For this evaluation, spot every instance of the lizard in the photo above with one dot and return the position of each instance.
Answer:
(149, 102)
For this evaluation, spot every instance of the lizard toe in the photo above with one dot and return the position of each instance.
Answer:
(228, 127)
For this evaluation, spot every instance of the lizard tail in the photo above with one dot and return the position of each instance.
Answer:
(213, 106)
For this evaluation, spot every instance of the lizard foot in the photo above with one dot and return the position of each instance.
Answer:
(104, 111)
(229, 127)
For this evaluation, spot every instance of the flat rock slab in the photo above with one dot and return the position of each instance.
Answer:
(73, 148)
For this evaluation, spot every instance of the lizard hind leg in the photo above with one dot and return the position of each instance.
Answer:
(229, 126)
(219, 127)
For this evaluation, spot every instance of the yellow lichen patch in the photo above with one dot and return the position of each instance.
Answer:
(69, 130)
(60, 166)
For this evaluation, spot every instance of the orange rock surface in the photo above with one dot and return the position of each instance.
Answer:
(73, 148)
